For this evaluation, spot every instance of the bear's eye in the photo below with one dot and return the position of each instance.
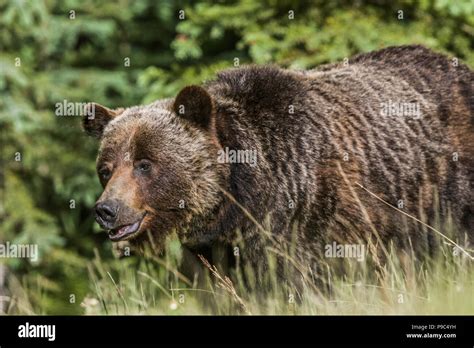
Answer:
(104, 173)
(143, 166)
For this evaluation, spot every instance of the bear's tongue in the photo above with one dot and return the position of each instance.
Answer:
(123, 231)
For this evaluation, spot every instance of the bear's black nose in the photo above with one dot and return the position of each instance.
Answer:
(106, 213)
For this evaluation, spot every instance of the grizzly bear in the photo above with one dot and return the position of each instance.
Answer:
(265, 157)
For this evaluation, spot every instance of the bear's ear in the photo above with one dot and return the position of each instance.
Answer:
(97, 117)
(194, 104)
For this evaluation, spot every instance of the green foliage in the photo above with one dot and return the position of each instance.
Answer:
(77, 51)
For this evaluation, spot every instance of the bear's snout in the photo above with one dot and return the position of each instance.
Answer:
(121, 221)
(106, 213)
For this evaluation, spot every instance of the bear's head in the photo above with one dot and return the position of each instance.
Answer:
(157, 164)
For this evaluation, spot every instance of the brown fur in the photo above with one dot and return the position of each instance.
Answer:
(316, 134)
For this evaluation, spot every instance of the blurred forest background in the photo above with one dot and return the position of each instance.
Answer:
(78, 51)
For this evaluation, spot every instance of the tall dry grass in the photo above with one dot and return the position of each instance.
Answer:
(402, 284)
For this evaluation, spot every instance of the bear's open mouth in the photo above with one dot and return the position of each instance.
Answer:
(125, 231)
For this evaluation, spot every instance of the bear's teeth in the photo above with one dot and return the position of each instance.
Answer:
(124, 230)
